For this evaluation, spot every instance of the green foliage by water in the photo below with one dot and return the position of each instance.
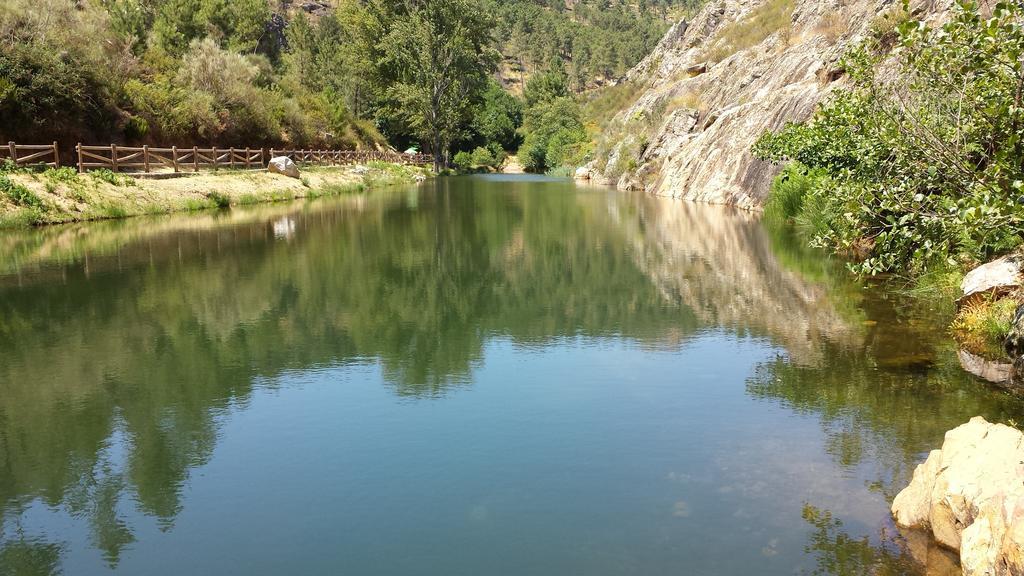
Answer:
(553, 131)
(920, 168)
(18, 194)
(480, 157)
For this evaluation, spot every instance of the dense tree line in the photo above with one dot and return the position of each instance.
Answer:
(594, 41)
(355, 73)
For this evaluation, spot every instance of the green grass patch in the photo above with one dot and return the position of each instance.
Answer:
(62, 175)
(196, 204)
(788, 192)
(941, 284)
(22, 218)
(18, 194)
(605, 103)
(112, 210)
(219, 199)
(110, 177)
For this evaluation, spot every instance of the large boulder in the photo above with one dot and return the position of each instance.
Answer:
(283, 165)
(970, 496)
(996, 278)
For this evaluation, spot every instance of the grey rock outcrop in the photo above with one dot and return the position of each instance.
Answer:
(699, 118)
(1014, 342)
(283, 165)
(970, 496)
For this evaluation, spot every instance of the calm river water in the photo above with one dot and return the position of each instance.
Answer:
(483, 375)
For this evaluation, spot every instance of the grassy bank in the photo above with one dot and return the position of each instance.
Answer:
(62, 195)
(982, 326)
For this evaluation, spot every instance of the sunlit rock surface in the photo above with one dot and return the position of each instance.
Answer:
(970, 496)
(996, 278)
(706, 115)
(283, 165)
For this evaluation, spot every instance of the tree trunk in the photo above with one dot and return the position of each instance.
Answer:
(438, 153)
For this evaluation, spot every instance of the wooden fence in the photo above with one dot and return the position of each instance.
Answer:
(147, 158)
(339, 157)
(31, 154)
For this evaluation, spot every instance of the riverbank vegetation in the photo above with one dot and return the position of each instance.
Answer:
(918, 165)
(63, 195)
(916, 169)
(444, 76)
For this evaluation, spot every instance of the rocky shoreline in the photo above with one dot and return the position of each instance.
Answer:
(969, 495)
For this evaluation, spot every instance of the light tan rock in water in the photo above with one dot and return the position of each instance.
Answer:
(998, 278)
(970, 496)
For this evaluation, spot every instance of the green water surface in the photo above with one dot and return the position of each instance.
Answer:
(478, 376)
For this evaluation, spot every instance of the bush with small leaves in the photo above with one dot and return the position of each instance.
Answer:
(923, 169)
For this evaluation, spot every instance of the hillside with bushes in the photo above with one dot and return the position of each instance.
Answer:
(336, 74)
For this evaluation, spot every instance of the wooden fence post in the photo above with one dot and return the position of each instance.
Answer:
(145, 156)
(56, 155)
(231, 156)
(174, 158)
(248, 155)
(14, 152)
(78, 149)
(195, 158)
(113, 156)
(214, 158)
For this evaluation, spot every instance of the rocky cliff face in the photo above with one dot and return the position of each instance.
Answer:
(716, 83)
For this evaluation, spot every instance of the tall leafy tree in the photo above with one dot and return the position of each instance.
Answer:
(438, 56)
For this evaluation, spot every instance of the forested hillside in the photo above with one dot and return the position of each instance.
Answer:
(442, 74)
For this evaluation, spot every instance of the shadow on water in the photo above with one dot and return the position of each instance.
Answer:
(127, 345)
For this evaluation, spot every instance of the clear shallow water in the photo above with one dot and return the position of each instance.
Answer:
(480, 376)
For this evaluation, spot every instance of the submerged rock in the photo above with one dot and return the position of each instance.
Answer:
(283, 165)
(970, 496)
(998, 372)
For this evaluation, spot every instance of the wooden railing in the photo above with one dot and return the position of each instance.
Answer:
(146, 158)
(34, 154)
(339, 157)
